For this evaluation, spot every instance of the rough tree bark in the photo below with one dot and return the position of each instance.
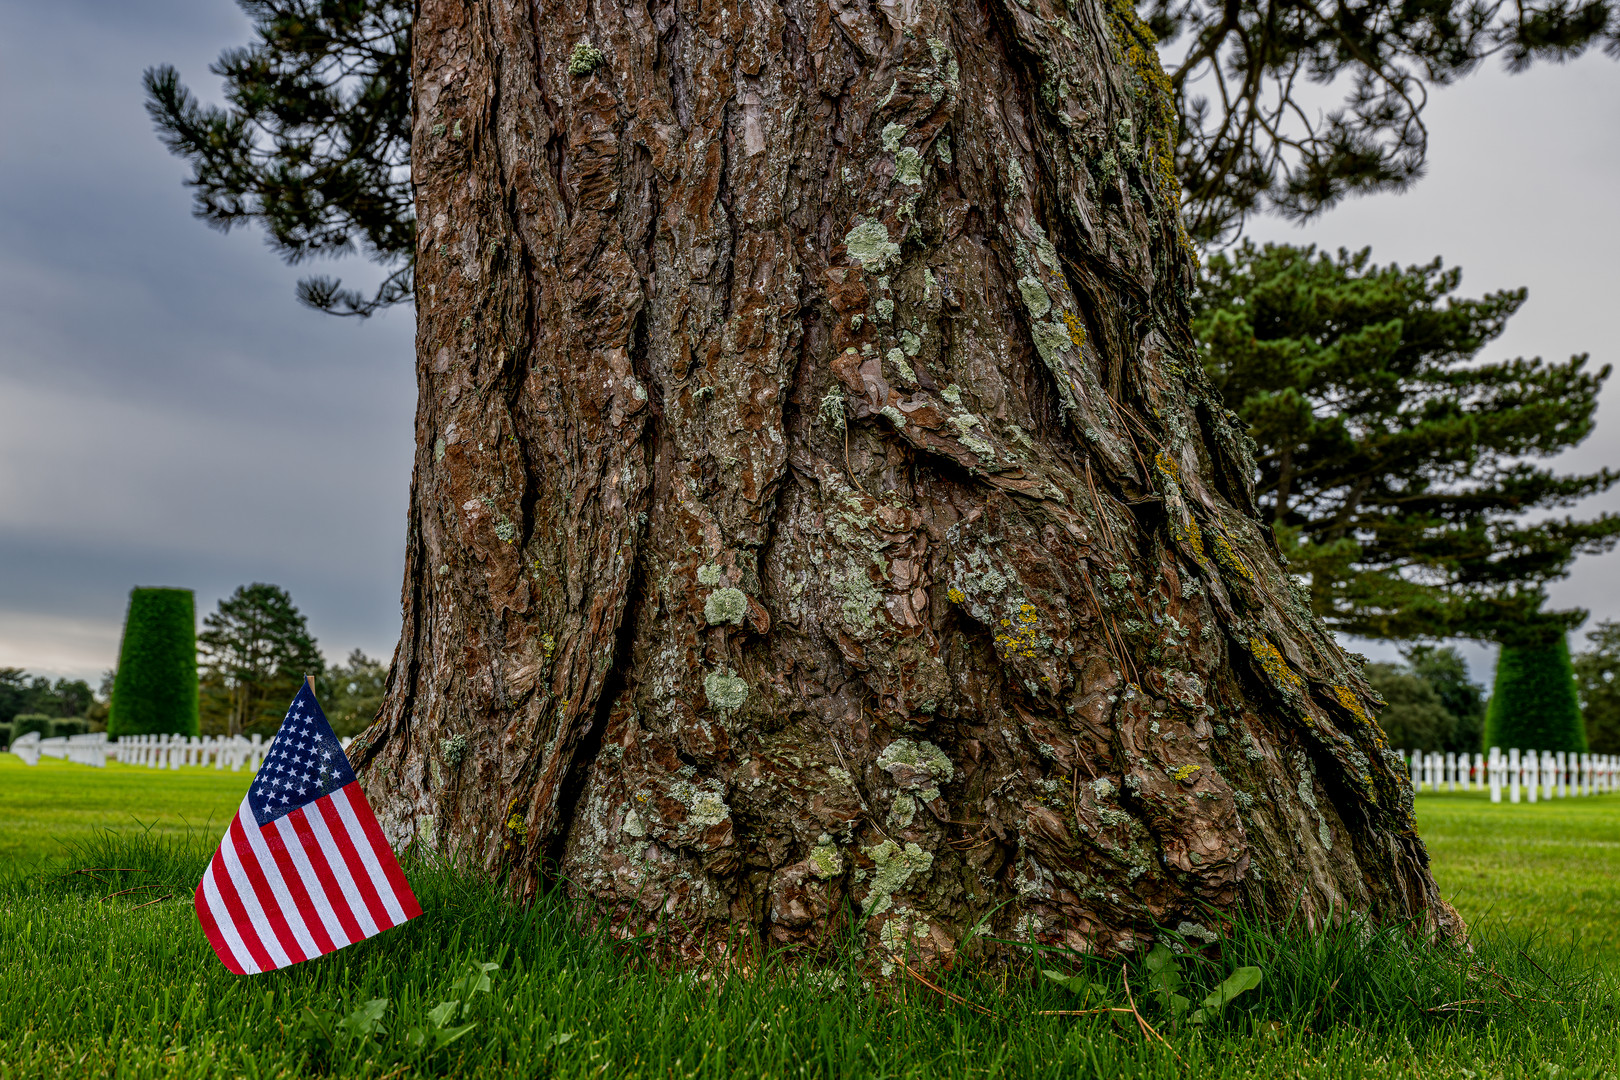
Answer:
(819, 509)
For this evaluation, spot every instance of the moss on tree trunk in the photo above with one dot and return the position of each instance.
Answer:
(819, 509)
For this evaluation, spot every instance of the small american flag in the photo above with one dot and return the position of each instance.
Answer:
(304, 869)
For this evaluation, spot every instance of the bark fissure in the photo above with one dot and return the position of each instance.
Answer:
(845, 523)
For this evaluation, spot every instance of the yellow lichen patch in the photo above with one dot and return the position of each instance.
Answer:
(1191, 537)
(1348, 699)
(1272, 663)
(1181, 524)
(1227, 555)
(1139, 48)
(1077, 329)
(517, 830)
(1018, 638)
(955, 595)
(1183, 774)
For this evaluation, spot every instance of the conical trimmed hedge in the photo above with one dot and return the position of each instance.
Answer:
(155, 692)
(1533, 705)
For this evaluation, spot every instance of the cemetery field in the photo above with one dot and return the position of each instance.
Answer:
(98, 981)
(47, 807)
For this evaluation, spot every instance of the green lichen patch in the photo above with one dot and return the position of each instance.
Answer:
(908, 167)
(825, 860)
(832, 409)
(1045, 250)
(725, 691)
(859, 600)
(892, 134)
(1015, 177)
(868, 242)
(918, 766)
(709, 574)
(453, 749)
(634, 825)
(725, 606)
(1050, 340)
(942, 147)
(897, 360)
(1035, 298)
(903, 811)
(964, 423)
(896, 417)
(585, 59)
(894, 867)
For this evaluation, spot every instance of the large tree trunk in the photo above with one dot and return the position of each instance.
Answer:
(820, 511)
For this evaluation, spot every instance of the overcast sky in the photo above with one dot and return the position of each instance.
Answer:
(169, 415)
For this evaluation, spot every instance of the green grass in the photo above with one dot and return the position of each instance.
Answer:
(1551, 869)
(97, 984)
(45, 808)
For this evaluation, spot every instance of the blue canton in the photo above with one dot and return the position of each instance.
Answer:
(304, 763)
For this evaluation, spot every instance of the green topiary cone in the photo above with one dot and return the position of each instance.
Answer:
(1533, 705)
(156, 688)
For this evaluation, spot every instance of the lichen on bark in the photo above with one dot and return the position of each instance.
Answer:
(819, 509)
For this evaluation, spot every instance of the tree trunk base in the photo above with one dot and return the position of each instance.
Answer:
(820, 514)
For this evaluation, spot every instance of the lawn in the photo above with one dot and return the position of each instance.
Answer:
(46, 807)
(1552, 868)
(94, 983)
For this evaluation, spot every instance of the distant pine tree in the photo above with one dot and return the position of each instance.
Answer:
(256, 649)
(155, 691)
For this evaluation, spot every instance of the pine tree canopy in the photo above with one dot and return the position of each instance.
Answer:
(314, 142)
(1247, 73)
(314, 139)
(1397, 469)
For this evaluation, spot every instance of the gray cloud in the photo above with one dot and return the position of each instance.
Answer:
(168, 413)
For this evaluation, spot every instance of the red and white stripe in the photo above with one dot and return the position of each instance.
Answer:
(307, 884)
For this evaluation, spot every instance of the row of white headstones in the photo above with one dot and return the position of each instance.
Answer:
(1545, 773)
(232, 752)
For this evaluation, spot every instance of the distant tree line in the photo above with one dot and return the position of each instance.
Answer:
(252, 653)
(21, 695)
(1597, 681)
